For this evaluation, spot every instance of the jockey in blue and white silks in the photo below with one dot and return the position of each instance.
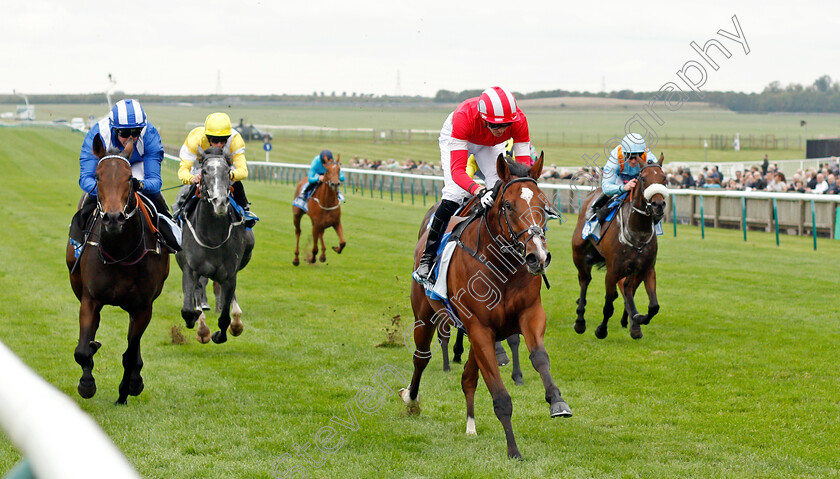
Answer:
(126, 116)
(126, 122)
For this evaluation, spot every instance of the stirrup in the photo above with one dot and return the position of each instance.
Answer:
(423, 281)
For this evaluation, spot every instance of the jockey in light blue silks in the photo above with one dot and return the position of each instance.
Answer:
(621, 171)
(316, 176)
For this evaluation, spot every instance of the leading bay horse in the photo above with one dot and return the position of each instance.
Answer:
(121, 264)
(324, 211)
(216, 245)
(494, 286)
(627, 247)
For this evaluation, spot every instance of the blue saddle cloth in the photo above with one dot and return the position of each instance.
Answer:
(302, 200)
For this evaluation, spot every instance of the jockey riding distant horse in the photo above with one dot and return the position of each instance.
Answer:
(216, 245)
(121, 264)
(493, 287)
(627, 247)
(324, 209)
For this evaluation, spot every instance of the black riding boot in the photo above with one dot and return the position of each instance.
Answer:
(598, 207)
(439, 222)
(166, 234)
(242, 200)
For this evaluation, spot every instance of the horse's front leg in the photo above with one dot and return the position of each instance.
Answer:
(444, 331)
(316, 234)
(226, 298)
(609, 298)
(323, 256)
(653, 305)
(458, 349)
(236, 326)
(425, 320)
(339, 230)
(201, 301)
(584, 278)
(189, 281)
(532, 324)
(137, 324)
(482, 348)
(629, 291)
(88, 324)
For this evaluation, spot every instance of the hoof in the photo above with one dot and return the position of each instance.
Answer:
(601, 332)
(560, 409)
(121, 402)
(189, 318)
(296, 262)
(322, 259)
(456, 359)
(517, 379)
(446, 368)
(580, 327)
(236, 328)
(219, 337)
(412, 407)
(203, 332)
(636, 333)
(87, 388)
(514, 455)
(136, 387)
(205, 306)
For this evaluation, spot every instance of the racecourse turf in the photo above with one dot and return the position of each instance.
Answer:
(736, 377)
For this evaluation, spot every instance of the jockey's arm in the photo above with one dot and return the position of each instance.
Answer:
(88, 162)
(315, 170)
(152, 158)
(188, 155)
(458, 166)
(240, 165)
(521, 141)
(611, 183)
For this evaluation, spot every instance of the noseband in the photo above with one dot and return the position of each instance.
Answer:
(649, 191)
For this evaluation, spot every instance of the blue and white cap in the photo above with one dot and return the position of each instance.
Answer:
(127, 114)
(633, 143)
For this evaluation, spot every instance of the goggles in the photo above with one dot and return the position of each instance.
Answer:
(498, 126)
(217, 139)
(129, 132)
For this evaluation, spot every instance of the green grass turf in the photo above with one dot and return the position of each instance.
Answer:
(736, 377)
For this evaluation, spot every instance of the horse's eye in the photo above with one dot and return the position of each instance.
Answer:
(508, 205)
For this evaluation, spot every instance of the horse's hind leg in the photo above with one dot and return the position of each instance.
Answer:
(458, 349)
(584, 278)
(443, 337)
(226, 298)
(137, 324)
(516, 374)
(609, 299)
(424, 331)
(236, 326)
(189, 310)
(201, 294)
(313, 256)
(296, 220)
(469, 382)
(502, 358)
(339, 230)
(88, 324)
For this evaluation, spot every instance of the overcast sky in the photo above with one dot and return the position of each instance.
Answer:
(410, 48)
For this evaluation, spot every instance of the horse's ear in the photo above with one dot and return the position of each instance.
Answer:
(98, 148)
(200, 153)
(502, 168)
(129, 149)
(536, 168)
(661, 158)
(338, 158)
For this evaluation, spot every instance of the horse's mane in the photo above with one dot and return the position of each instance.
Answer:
(214, 151)
(517, 170)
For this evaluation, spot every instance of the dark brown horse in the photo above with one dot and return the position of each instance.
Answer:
(628, 249)
(121, 265)
(324, 211)
(494, 286)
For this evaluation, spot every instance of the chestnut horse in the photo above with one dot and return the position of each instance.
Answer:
(121, 265)
(324, 211)
(628, 249)
(495, 291)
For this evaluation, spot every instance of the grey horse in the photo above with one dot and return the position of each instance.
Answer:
(216, 245)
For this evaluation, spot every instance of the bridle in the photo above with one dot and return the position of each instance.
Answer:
(648, 211)
(333, 185)
(515, 244)
(624, 236)
(203, 195)
(125, 212)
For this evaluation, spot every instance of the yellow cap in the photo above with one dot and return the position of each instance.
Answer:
(217, 124)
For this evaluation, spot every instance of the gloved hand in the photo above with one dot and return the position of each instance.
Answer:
(486, 197)
(136, 184)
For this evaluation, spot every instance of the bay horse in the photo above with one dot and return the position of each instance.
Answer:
(627, 248)
(495, 291)
(216, 245)
(121, 264)
(324, 211)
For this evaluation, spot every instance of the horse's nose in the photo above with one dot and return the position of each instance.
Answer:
(113, 220)
(537, 261)
(220, 206)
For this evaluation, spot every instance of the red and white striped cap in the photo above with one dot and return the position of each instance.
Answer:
(497, 105)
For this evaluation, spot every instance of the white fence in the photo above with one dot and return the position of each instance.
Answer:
(56, 438)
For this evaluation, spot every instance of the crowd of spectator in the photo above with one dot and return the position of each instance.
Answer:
(407, 166)
(824, 179)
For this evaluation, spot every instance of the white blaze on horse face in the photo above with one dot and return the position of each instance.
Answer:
(527, 194)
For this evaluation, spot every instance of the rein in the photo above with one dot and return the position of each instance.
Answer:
(106, 258)
(625, 236)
